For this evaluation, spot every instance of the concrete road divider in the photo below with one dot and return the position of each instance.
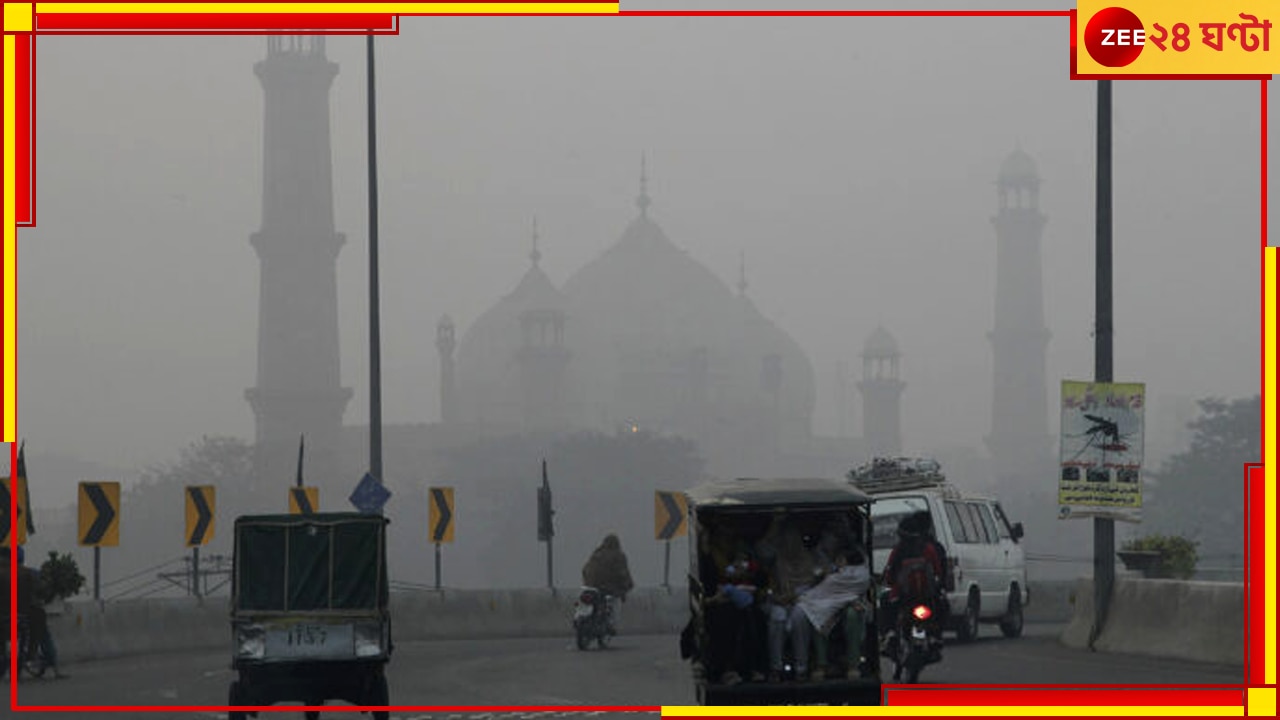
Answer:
(93, 631)
(90, 631)
(1202, 621)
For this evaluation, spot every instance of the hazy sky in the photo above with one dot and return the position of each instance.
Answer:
(855, 170)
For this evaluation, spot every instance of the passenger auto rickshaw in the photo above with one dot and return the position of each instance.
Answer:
(309, 615)
(747, 508)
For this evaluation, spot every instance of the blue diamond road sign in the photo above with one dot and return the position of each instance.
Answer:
(370, 495)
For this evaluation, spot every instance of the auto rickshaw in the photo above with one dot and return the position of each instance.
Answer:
(746, 510)
(309, 614)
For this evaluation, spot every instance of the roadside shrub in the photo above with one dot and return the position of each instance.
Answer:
(1178, 555)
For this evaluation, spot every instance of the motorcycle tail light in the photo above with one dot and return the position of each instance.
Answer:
(585, 597)
(922, 612)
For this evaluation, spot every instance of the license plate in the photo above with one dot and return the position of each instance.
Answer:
(582, 611)
(310, 640)
(917, 633)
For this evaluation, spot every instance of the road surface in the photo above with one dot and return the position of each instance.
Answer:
(643, 670)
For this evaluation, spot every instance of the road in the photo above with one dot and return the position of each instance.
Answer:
(644, 670)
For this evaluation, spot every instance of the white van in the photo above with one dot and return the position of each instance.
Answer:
(987, 577)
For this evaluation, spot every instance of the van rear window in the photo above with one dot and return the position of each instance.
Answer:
(886, 513)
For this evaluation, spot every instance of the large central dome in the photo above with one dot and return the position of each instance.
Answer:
(652, 339)
(673, 347)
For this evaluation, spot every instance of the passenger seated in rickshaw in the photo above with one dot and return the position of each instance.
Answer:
(840, 596)
(793, 568)
(732, 579)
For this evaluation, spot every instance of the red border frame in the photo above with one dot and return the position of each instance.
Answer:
(1029, 695)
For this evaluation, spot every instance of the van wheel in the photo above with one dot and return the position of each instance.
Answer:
(1011, 623)
(968, 629)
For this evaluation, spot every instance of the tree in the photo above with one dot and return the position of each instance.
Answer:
(60, 578)
(153, 517)
(1199, 493)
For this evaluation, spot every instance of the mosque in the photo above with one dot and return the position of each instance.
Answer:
(641, 339)
(644, 337)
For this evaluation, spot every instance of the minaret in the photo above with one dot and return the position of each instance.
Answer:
(1019, 442)
(299, 388)
(541, 359)
(448, 391)
(881, 395)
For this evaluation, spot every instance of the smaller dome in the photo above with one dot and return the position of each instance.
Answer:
(1018, 166)
(880, 344)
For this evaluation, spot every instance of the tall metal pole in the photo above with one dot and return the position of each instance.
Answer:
(97, 573)
(1104, 529)
(437, 566)
(195, 571)
(375, 336)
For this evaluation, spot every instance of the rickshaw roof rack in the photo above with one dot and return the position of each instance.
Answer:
(884, 475)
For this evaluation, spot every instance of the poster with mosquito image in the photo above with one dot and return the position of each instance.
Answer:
(1101, 473)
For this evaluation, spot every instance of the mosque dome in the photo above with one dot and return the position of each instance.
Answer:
(487, 375)
(665, 332)
(880, 344)
(1018, 167)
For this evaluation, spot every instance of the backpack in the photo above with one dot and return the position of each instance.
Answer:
(916, 580)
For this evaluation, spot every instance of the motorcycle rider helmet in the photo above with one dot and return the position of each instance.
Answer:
(913, 526)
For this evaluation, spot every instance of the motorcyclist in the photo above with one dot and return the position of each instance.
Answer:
(915, 569)
(607, 571)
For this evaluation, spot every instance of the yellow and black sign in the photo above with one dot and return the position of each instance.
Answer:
(201, 503)
(7, 523)
(99, 514)
(440, 515)
(304, 500)
(669, 511)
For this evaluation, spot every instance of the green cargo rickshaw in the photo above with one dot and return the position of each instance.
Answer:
(309, 615)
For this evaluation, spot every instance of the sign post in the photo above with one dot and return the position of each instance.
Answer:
(1102, 441)
(440, 521)
(13, 528)
(201, 503)
(99, 516)
(669, 512)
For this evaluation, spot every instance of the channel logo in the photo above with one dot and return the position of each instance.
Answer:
(1176, 38)
(1114, 37)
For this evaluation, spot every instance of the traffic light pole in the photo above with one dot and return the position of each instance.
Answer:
(666, 568)
(550, 577)
(546, 527)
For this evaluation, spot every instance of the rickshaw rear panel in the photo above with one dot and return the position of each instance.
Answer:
(747, 507)
(309, 615)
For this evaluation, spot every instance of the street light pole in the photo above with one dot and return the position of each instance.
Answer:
(1104, 529)
(375, 335)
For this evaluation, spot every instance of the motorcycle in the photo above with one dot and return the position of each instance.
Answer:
(31, 661)
(915, 641)
(593, 618)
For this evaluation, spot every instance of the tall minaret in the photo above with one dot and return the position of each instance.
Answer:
(881, 395)
(448, 391)
(1019, 442)
(299, 388)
